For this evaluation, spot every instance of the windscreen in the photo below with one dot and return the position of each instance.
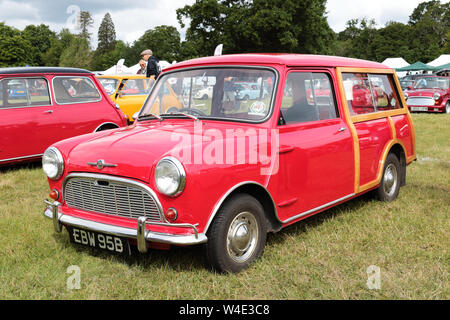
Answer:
(242, 94)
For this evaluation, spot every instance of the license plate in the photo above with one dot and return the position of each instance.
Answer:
(99, 240)
(419, 109)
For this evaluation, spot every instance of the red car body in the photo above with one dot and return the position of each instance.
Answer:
(319, 163)
(29, 125)
(429, 94)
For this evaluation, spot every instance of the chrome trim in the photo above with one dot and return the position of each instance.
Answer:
(100, 164)
(24, 157)
(104, 123)
(182, 172)
(92, 176)
(60, 162)
(75, 76)
(148, 235)
(28, 105)
(318, 208)
(54, 215)
(225, 66)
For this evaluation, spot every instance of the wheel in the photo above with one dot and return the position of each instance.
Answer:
(390, 181)
(447, 107)
(237, 235)
(205, 97)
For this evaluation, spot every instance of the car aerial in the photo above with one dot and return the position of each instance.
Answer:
(41, 105)
(429, 94)
(127, 91)
(223, 172)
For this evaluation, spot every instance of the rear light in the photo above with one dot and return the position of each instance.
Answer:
(171, 214)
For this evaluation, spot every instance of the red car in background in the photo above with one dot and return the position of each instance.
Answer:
(429, 94)
(42, 105)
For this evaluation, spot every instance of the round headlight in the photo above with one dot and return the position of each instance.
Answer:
(53, 163)
(436, 96)
(406, 95)
(170, 177)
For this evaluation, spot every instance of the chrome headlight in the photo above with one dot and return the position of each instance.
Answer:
(53, 163)
(406, 95)
(436, 96)
(170, 177)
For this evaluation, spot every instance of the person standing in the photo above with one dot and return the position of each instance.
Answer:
(153, 68)
(143, 65)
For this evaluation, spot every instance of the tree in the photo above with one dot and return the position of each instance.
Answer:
(40, 37)
(163, 40)
(86, 22)
(258, 26)
(57, 45)
(77, 54)
(106, 35)
(13, 47)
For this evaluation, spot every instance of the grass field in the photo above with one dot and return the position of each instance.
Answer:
(323, 257)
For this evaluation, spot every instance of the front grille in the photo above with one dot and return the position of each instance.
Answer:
(110, 197)
(420, 101)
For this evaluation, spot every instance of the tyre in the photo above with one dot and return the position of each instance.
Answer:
(447, 107)
(237, 235)
(390, 180)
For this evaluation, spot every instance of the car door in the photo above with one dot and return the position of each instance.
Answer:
(26, 118)
(132, 95)
(316, 161)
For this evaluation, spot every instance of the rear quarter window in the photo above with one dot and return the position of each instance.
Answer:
(369, 93)
(70, 90)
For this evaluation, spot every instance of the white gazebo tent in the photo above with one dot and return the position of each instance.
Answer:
(395, 63)
(441, 60)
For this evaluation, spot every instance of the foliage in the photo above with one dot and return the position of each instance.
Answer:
(291, 26)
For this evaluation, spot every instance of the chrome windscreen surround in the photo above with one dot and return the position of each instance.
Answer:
(112, 196)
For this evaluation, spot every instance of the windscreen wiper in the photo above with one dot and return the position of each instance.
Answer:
(181, 114)
(150, 115)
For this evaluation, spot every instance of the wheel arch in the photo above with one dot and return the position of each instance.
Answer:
(400, 153)
(106, 126)
(260, 193)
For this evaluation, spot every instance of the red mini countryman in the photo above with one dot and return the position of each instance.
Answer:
(42, 105)
(224, 171)
(429, 94)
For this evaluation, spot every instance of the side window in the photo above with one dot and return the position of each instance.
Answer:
(75, 90)
(137, 87)
(38, 92)
(308, 97)
(368, 93)
(20, 92)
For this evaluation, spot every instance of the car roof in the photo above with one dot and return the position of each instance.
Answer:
(306, 60)
(33, 70)
(121, 76)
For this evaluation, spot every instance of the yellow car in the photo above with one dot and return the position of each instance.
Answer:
(127, 91)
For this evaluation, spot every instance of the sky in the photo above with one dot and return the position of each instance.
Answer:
(133, 18)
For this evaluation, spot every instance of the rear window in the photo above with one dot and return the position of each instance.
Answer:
(369, 93)
(24, 92)
(75, 90)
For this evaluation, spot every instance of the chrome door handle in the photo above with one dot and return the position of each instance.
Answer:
(342, 129)
(48, 111)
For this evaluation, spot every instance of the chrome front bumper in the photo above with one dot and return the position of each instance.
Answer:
(141, 234)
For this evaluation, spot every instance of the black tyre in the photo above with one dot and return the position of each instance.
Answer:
(447, 107)
(237, 235)
(391, 179)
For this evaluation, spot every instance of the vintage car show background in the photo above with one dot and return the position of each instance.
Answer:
(332, 255)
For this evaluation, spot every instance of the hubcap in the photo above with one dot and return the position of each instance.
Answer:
(242, 237)
(390, 179)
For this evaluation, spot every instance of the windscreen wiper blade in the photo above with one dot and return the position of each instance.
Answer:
(181, 114)
(150, 115)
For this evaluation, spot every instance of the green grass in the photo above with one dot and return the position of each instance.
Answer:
(323, 257)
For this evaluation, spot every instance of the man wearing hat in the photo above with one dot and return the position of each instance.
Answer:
(153, 68)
